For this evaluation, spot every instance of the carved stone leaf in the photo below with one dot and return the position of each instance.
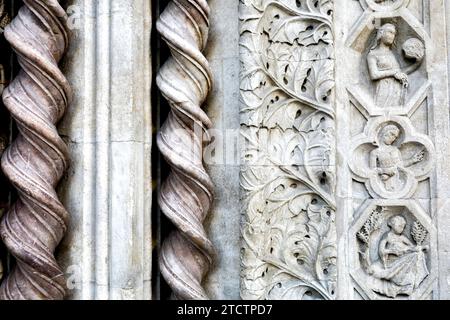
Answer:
(289, 289)
(318, 250)
(275, 110)
(253, 81)
(286, 116)
(285, 148)
(289, 194)
(297, 31)
(249, 23)
(303, 240)
(325, 7)
(323, 80)
(282, 114)
(254, 275)
(419, 233)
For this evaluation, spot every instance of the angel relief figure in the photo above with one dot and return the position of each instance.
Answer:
(387, 159)
(401, 265)
(384, 68)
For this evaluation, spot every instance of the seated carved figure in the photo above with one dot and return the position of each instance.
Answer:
(387, 159)
(401, 265)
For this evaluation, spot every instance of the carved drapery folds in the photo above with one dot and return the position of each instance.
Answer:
(388, 106)
(187, 194)
(287, 129)
(37, 99)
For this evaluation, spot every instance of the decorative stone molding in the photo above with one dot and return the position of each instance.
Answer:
(187, 194)
(107, 253)
(393, 117)
(287, 127)
(37, 159)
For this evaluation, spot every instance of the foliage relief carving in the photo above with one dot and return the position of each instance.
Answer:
(287, 177)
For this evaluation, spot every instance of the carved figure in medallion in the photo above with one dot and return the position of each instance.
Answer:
(399, 265)
(385, 69)
(387, 158)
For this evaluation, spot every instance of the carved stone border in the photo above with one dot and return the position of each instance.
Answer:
(430, 91)
(287, 166)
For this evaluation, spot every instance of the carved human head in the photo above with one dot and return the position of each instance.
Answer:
(397, 224)
(414, 49)
(389, 134)
(386, 34)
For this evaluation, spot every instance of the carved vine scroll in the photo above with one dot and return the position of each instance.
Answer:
(287, 127)
(37, 99)
(390, 110)
(187, 194)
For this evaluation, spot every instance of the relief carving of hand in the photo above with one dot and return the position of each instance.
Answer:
(403, 78)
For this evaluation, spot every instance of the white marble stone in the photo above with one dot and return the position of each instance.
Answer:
(392, 149)
(107, 252)
(107, 190)
(223, 108)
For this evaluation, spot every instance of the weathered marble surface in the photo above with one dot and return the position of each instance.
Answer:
(288, 150)
(37, 158)
(107, 251)
(392, 139)
(186, 195)
(393, 148)
(222, 106)
(109, 139)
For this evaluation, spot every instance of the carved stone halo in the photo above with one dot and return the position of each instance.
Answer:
(384, 5)
(391, 158)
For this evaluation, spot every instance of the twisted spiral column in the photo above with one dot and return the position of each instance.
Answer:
(36, 160)
(187, 194)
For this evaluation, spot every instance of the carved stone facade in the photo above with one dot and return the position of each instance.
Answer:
(371, 230)
(392, 137)
(280, 150)
(288, 155)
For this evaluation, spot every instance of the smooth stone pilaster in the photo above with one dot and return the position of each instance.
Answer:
(107, 251)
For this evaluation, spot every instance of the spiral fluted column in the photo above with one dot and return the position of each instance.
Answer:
(35, 162)
(187, 194)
